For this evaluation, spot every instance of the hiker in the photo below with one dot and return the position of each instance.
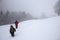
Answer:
(12, 31)
(16, 24)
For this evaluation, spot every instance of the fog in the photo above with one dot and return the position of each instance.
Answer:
(0, 5)
(34, 7)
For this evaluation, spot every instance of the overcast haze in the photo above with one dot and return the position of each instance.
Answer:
(35, 7)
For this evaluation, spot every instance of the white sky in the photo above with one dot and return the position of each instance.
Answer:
(35, 7)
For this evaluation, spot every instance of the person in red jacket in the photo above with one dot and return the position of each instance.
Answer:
(16, 24)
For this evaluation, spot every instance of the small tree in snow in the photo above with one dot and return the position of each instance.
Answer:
(43, 16)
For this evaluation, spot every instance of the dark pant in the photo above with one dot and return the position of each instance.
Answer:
(16, 26)
(12, 34)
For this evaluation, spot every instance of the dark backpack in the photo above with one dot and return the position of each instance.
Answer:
(12, 29)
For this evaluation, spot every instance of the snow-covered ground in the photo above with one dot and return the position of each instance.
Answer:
(45, 29)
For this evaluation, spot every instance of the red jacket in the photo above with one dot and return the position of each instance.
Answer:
(16, 23)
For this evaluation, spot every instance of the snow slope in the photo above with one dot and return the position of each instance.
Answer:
(47, 29)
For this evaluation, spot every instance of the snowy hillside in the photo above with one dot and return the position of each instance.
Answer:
(47, 29)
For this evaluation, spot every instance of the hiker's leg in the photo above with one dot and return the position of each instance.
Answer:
(13, 34)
